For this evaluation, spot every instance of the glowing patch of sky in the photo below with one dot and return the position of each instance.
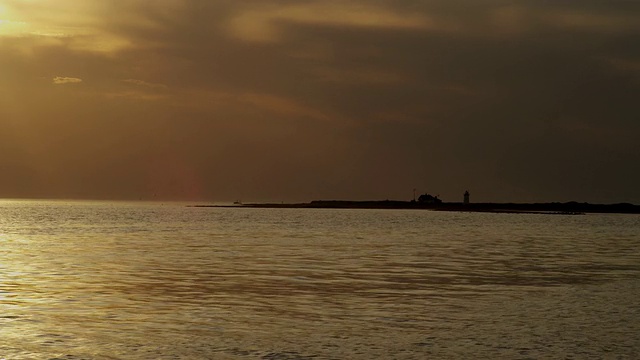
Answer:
(77, 23)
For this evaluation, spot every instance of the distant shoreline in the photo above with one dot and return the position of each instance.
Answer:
(568, 208)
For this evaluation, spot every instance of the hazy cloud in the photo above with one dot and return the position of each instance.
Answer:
(145, 84)
(631, 66)
(262, 23)
(61, 80)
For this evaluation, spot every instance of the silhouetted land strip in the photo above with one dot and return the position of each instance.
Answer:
(568, 208)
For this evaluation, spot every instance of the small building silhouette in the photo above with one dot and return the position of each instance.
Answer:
(429, 199)
(466, 197)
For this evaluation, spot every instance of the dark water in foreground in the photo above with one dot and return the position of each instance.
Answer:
(83, 280)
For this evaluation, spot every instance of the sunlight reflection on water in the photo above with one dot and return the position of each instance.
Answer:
(91, 280)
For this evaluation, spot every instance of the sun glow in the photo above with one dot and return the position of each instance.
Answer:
(80, 29)
(13, 28)
(9, 26)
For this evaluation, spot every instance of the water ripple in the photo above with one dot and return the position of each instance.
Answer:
(83, 280)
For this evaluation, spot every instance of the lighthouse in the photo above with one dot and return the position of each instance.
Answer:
(466, 197)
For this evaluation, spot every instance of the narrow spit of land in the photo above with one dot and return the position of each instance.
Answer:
(569, 208)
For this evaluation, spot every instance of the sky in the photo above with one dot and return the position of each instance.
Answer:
(281, 100)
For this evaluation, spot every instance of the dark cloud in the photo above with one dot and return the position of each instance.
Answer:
(282, 100)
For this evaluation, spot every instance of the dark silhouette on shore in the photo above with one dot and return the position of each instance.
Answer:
(567, 208)
(429, 199)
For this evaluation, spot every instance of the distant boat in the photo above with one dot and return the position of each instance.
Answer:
(237, 202)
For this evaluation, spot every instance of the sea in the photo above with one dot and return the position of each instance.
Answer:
(136, 280)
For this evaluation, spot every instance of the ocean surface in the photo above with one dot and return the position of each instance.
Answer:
(116, 280)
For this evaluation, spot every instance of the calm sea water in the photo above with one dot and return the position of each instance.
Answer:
(98, 280)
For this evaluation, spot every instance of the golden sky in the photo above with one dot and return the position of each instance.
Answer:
(299, 100)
